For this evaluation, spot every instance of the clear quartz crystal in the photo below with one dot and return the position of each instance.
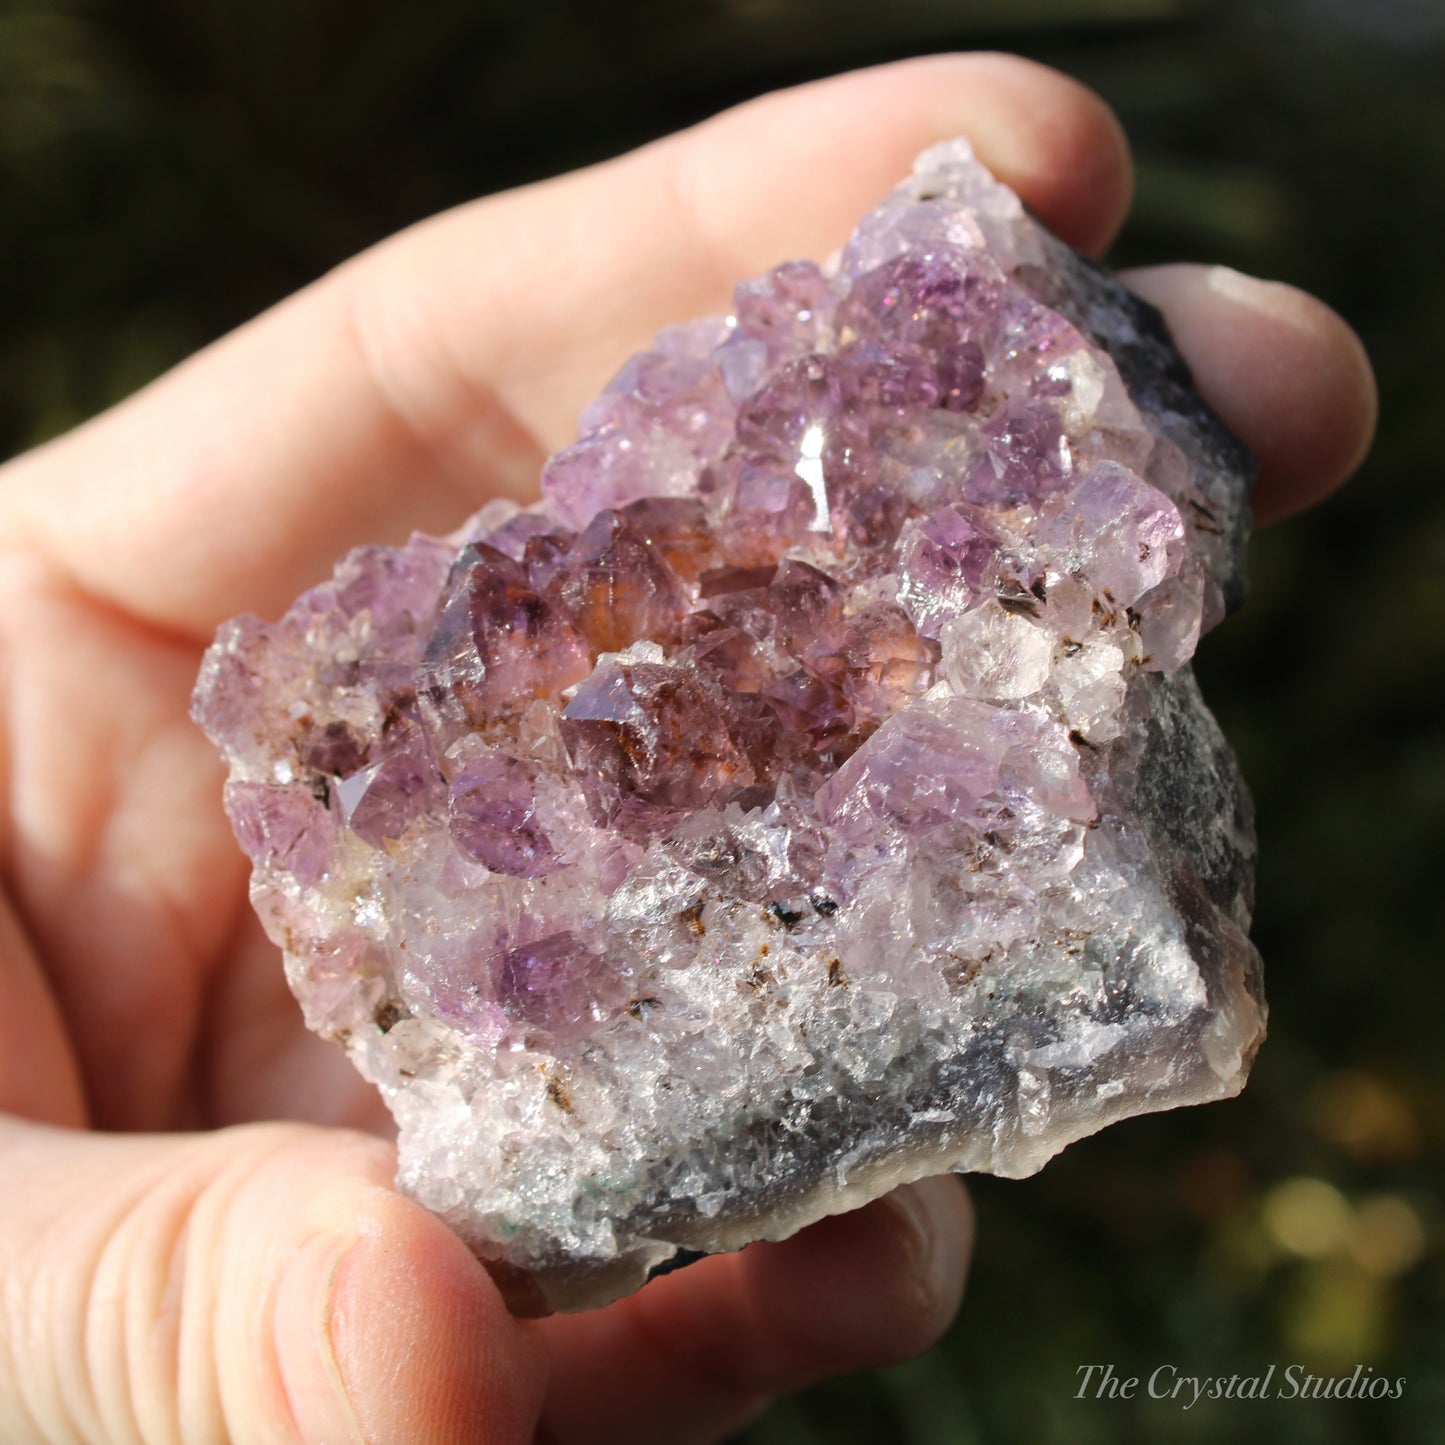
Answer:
(809, 794)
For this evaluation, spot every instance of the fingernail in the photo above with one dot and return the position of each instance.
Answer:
(916, 1227)
(305, 1350)
(936, 1234)
(1272, 298)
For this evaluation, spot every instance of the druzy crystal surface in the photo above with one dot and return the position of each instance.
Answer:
(809, 794)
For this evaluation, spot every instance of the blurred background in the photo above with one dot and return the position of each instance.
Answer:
(169, 167)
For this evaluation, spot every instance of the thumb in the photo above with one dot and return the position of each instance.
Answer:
(257, 1284)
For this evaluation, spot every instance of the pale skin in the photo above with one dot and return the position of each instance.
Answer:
(174, 1264)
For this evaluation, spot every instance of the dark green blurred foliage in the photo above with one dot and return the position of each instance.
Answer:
(169, 167)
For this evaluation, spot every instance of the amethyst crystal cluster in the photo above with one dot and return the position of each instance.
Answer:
(809, 794)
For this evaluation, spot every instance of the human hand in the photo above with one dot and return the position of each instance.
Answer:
(186, 1272)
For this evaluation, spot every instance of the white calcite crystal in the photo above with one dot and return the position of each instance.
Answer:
(809, 794)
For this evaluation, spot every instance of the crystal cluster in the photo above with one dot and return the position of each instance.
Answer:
(809, 794)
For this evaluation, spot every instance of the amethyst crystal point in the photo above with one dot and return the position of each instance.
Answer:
(494, 817)
(809, 794)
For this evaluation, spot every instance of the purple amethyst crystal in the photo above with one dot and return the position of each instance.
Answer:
(493, 812)
(810, 793)
(555, 987)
